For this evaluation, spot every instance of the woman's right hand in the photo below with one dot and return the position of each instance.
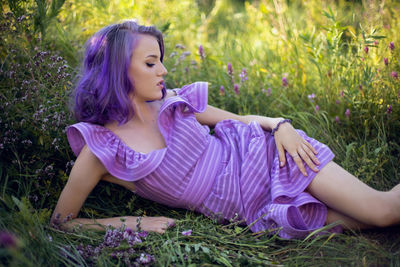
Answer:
(151, 224)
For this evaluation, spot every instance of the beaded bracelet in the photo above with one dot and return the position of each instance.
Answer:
(138, 221)
(279, 124)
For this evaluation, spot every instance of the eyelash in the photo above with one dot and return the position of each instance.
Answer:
(150, 65)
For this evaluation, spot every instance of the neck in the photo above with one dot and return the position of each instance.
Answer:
(143, 111)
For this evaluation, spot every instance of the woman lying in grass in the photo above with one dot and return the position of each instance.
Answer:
(156, 143)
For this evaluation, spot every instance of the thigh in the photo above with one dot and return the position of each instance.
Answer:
(347, 222)
(346, 194)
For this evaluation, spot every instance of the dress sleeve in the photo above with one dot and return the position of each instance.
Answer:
(120, 160)
(196, 94)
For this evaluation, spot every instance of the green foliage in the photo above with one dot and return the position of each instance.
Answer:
(318, 47)
(34, 91)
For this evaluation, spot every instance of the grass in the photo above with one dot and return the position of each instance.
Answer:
(320, 48)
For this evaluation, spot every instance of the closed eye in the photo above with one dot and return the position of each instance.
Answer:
(150, 65)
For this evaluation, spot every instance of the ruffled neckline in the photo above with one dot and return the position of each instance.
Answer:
(114, 137)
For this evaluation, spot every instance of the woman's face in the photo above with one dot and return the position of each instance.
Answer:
(146, 71)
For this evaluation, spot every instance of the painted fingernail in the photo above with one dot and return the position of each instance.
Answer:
(281, 163)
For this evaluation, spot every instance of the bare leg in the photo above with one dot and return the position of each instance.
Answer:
(347, 222)
(347, 195)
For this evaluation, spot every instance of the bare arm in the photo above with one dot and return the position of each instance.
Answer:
(212, 115)
(85, 175)
(286, 138)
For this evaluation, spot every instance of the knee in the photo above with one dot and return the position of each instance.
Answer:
(384, 214)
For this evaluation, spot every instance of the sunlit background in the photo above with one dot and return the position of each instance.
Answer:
(330, 66)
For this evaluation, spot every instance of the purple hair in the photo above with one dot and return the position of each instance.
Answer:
(102, 92)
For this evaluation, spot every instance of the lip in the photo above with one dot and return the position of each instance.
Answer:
(160, 83)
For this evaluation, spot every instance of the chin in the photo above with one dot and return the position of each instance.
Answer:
(160, 93)
(155, 97)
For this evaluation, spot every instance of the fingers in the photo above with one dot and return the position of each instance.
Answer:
(308, 157)
(299, 164)
(310, 147)
(282, 157)
(307, 160)
(170, 222)
(157, 224)
(310, 153)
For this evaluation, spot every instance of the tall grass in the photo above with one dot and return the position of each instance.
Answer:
(321, 64)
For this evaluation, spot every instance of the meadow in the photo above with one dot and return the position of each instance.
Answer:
(330, 66)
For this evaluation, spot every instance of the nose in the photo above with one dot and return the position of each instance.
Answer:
(163, 70)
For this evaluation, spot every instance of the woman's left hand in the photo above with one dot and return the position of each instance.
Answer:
(286, 138)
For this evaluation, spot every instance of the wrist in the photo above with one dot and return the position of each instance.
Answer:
(279, 125)
(275, 122)
(266, 123)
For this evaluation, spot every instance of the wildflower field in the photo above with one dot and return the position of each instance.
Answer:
(330, 66)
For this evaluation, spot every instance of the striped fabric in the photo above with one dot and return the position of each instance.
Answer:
(233, 174)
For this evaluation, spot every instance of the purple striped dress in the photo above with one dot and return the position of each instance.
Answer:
(233, 174)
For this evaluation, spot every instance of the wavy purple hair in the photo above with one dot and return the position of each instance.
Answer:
(102, 92)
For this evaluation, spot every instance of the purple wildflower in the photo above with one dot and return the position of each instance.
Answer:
(266, 92)
(243, 75)
(311, 97)
(316, 108)
(395, 74)
(236, 88)
(201, 52)
(284, 82)
(342, 93)
(222, 90)
(20, 19)
(7, 240)
(187, 233)
(337, 101)
(142, 234)
(376, 43)
(386, 61)
(337, 119)
(128, 232)
(360, 86)
(391, 46)
(180, 46)
(230, 69)
(347, 113)
(366, 49)
(55, 222)
(389, 109)
(144, 258)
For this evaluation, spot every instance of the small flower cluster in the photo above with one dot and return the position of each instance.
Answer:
(182, 57)
(201, 52)
(119, 243)
(56, 221)
(391, 47)
(242, 75)
(285, 82)
(187, 232)
(267, 92)
(34, 109)
(7, 239)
